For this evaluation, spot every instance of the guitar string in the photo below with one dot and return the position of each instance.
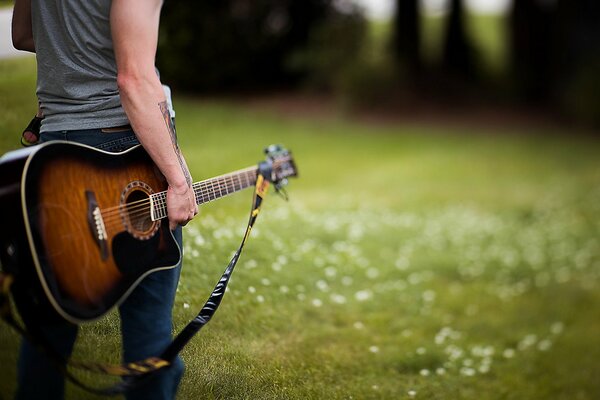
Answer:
(214, 182)
(204, 192)
(140, 216)
(142, 210)
(144, 207)
(199, 188)
(211, 182)
(204, 188)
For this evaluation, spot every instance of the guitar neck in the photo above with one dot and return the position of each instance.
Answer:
(208, 190)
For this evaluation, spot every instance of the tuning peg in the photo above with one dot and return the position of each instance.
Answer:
(274, 149)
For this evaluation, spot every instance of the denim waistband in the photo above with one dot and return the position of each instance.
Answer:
(109, 139)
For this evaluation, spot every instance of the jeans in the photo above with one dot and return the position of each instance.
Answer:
(146, 319)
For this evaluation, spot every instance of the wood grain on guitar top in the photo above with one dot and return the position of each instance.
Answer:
(71, 250)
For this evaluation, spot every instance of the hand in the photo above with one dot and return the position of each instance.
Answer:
(181, 205)
(31, 134)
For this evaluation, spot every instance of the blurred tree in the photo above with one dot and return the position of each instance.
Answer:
(458, 57)
(555, 57)
(236, 44)
(406, 36)
(333, 52)
(576, 60)
(531, 43)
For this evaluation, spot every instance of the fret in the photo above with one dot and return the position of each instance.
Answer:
(208, 190)
(228, 180)
(224, 188)
(239, 182)
(231, 184)
(220, 186)
(214, 188)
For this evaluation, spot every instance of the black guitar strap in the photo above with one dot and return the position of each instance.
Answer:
(134, 374)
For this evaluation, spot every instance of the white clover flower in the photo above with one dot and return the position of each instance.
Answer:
(414, 278)
(372, 273)
(363, 295)
(402, 263)
(544, 345)
(282, 260)
(276, 267)
(330, 272)
(317, 302)
(284, 289)
(265, 281)
(358, 325)
(454, 352)
(412, 393)
(347, 281)
(260, 298)
(355, 232)
(424, 372)
(374, 349)
(484, 368)
(251, 289)
(557, 328)
(428, 296)
(186, 305)
(508, 353)
(199, 240)
(338, 298)
(362, 262)
(440, 371)
(528, 341)
(322, 285)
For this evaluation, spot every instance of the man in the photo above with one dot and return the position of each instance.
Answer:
(97, 85)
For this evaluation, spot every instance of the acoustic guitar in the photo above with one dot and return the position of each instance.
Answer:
(93, 224)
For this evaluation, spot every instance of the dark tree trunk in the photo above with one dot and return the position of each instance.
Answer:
(577, 36)
(406, 36)
(532, 37)
(457, 57)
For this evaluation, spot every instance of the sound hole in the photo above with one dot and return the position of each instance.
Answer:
(135, 202)
(138, 210)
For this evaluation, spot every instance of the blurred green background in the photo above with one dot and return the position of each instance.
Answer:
(442, 240)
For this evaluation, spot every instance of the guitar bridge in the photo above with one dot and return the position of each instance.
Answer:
(96, 224)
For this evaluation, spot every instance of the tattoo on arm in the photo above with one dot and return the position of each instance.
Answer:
(164, 109)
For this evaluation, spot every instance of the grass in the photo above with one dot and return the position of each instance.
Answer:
(412, 261)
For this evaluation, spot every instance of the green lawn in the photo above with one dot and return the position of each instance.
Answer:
(412, 261)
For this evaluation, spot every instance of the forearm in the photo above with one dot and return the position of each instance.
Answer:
(145, 104)
(134, 28)
(22, 33)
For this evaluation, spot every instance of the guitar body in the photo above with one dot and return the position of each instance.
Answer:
(86, 217)
(82, 227)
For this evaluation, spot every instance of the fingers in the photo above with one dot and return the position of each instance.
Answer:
(181, 207)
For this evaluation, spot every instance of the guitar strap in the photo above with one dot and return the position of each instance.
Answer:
(135, 374)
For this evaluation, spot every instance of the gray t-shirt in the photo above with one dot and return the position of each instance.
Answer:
(77, 72)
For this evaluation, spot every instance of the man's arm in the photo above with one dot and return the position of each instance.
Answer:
(134, 27)
(22, 33)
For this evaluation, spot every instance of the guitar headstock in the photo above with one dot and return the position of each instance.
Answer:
(278, 166)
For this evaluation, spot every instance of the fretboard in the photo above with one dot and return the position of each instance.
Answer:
(208, 190)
